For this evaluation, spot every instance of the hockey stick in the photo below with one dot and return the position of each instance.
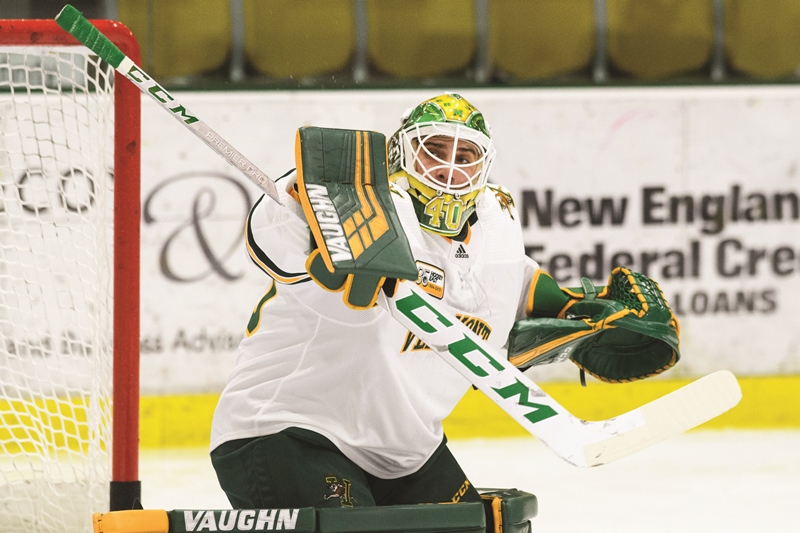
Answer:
(580, 442)
(577, 441)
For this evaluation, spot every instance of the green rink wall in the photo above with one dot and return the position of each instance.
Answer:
(768, 402)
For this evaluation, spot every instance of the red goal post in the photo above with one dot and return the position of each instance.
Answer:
(124, 487)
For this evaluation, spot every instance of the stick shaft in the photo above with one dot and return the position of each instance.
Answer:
(71, 20)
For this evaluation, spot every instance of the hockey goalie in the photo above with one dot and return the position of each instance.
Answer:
(393, 279)
(332, 403)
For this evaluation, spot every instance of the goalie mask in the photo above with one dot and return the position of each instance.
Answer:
(441, 155)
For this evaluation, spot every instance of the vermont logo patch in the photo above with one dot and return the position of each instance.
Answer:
(339, 489)
(503, 198)
(430, 279)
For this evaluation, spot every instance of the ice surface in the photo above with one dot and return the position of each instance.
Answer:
(702, 481)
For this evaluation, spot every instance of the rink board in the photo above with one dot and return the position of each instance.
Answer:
(767, 403)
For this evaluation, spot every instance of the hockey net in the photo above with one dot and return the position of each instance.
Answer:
(69, 279)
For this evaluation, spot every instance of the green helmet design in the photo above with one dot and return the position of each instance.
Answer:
(441, 155)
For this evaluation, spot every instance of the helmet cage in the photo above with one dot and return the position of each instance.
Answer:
(461, 178)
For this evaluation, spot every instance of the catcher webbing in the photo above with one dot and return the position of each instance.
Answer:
(56, 234)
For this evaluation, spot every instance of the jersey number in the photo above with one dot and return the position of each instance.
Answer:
(438, 209)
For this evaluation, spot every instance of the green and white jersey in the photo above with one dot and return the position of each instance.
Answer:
(356, 376)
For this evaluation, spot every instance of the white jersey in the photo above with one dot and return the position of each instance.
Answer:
(356, 376)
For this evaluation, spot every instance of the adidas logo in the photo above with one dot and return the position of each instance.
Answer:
(461, 253)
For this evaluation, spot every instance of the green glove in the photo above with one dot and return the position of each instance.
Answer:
(621, 332)
(343, 187)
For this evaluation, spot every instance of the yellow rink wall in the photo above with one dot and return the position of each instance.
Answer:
(767, 403)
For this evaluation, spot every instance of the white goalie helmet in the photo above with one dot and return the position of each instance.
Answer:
(442, 155)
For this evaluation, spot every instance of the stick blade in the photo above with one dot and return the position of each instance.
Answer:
(672, 414)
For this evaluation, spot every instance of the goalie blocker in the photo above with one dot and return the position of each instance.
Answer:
(501, 511)
(343, 185)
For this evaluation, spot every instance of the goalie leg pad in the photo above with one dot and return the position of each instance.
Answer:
(420, 518)
(343, 187)
(137, 521)
(508, 510)
(424, 518)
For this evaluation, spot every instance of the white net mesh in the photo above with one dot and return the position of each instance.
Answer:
(56, 224)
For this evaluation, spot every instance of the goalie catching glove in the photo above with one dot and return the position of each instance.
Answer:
(358, 242)
(617, 333)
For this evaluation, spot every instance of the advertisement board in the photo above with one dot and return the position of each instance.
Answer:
(696, 187)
